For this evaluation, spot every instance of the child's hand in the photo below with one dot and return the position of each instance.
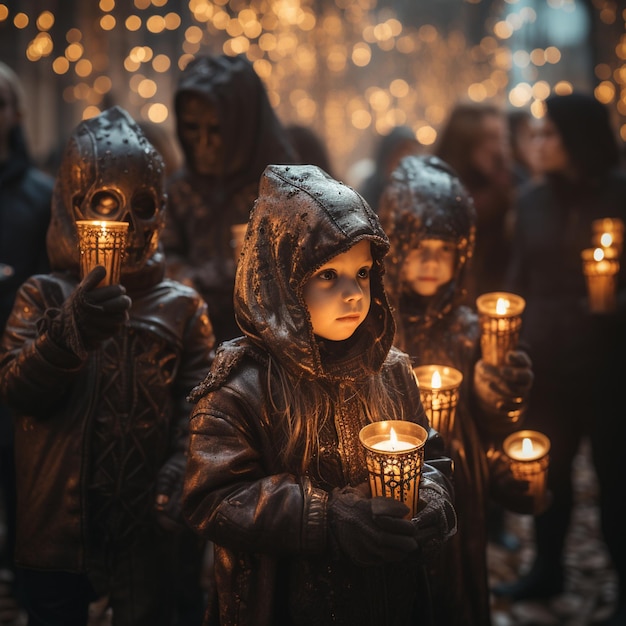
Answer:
(503, 390)
(435, 521)
(369, 531)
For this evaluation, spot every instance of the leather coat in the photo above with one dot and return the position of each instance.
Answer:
(95, 429)
(273, 560)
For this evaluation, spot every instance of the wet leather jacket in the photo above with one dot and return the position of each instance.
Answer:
(75, 422)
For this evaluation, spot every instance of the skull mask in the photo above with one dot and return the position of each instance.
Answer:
(110, 171)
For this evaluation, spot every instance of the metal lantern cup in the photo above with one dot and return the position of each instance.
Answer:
(500, 316)
(528, 453)
(102, 243)
(394, 451)
(237, 235)
(439, 391)
(600, 267)
(608, 232)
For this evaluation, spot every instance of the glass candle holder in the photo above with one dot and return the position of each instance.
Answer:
(394, 451)
(102, 243)
(608, 232)
(439, 391)
(528, 453)
(500, 318)
(600, 267)
(237, 234)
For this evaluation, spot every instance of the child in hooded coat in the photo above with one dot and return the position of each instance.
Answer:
(430, 220)
(277, 477)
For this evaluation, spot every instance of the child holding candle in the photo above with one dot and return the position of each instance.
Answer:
(277, 476)
(430, 220)
(97, 379)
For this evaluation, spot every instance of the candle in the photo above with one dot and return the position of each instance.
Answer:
(528, 454)
(608, 232)
(439, 392)
(500, 317)
(392, 444)
(600, 267)
(394, 453)
(102, 242)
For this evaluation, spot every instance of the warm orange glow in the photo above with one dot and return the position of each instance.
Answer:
(502, 306)
(435, 381)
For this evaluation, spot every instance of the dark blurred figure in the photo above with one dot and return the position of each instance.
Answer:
(309, 146)
(25, 195)
(579, 358)
(474, 142)
(389, 150)
(522, 141)
(228, 132)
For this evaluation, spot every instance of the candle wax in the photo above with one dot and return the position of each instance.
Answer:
(389, 446)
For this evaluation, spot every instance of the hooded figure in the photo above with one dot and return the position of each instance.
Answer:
(426, 202)
(276, 470)
(97, 379)
(578, 356)
(228, 132)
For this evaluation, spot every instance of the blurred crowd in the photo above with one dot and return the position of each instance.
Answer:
(101, 483)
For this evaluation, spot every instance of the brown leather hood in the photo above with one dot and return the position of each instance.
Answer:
(301, 219)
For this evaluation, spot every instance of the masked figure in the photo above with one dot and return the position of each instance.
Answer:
(430, 219)
(228, 132)
(97, 378)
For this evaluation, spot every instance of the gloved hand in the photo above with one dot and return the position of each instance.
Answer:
(506, 490)
(369, 531)
(502, 391)
(435, 521)
(90, 315)
(169, 488)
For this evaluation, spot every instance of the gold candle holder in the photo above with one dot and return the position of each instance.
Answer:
(439, 391)
(528, 453)
(500, 317)
(394, 451)
(102, 243)
(608, 232)
(237, 234)
(600, 267)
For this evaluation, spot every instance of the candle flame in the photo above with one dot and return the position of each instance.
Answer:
(435, 381)
(527, 446)
(606, 240)
(502, 305)
(598, 254)
(393, 438)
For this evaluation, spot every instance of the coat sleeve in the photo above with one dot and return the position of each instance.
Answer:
(35, 372)
(233, 493)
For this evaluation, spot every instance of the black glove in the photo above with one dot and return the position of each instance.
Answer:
(369, 531)
(502, 390)
(435, 521)
(90, 315)
(505, 489)
(169, 488)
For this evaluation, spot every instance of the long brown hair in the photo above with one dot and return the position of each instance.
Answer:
(302, 406)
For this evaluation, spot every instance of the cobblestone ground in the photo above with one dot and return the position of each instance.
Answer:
(590, 583)
(590, 587)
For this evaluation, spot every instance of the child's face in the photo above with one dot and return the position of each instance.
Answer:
(429, 266)
(338, 294)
